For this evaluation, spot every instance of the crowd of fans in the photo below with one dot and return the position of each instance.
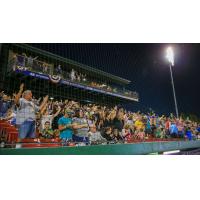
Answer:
(88, 123)
(32, 63)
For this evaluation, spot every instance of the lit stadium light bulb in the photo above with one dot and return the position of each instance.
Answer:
(170, 55)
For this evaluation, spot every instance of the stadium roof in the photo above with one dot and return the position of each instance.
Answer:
(114, 78)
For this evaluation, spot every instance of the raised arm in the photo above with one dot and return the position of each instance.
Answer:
(58, 111)
(19, 94)
(43, 104)
(43, 109)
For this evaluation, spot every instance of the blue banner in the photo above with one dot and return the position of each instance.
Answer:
(57, 79)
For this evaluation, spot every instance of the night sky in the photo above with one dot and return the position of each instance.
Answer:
(147, 68)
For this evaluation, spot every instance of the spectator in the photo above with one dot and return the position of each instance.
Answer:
(26, 118)
(189, 133)
(47, 132)
(95, 136)
(30, 61)
(126, 132)
(173, 130)
(4, 104)
(139, 123)
(117, 136)
(118, 121)
(10, 117)
(107, 133)
(49, 117)
(65, 126)
(80, 126)
(72, 75)
(59, 70)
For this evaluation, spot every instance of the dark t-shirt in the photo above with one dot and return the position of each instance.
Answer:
(107, 123)
(106, 136)
(118, 124)
(55, 121)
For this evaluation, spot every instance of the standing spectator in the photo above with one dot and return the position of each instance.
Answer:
(49, 117)
(80, 126)
(14, 61)
(189, 133)
(139, 123)
(59, 70)
(65, 125)
(45, 67)
(173, 129)
(118, 121)
(21, 59)
(26, 115)
(30, 61)
(72, 75)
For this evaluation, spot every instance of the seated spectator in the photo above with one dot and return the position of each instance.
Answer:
(95, 136)
(65, 125)
(47, 132)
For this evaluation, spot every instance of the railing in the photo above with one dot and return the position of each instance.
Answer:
(34, 65)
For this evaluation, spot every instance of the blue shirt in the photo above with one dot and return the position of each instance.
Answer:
(173, 129)
(66, 133)
(189, 134)
(4, 106)
(148, 125)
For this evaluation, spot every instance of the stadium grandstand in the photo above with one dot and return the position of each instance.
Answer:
(50, 104)
(47, 73)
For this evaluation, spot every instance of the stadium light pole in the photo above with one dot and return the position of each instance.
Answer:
(170, 57)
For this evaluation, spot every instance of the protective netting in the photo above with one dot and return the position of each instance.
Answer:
(46, 95)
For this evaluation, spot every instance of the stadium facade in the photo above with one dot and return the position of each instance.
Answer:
(46, 73)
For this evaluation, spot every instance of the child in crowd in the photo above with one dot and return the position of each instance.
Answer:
(47, 132)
